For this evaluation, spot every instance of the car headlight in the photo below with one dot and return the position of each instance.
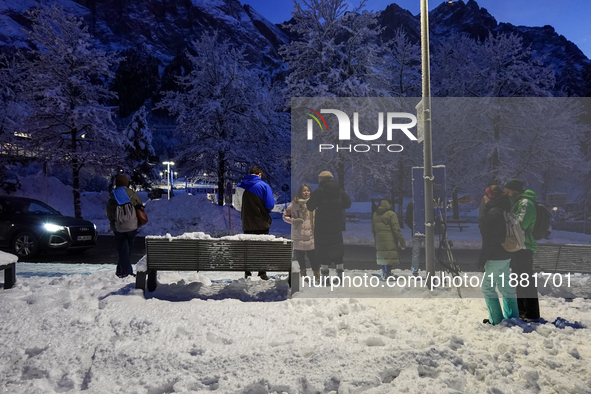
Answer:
(52, 227)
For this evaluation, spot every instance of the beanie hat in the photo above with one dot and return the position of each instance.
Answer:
(325, 175)
(121, 180)
(514, 184)
(493, 192)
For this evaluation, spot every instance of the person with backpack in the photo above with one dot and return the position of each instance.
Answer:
(494, 259)
(388, 237)
(123, 222)
(329, 201)
(524, 207)
(254, 199)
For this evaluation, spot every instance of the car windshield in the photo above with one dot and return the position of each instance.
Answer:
(31, 206)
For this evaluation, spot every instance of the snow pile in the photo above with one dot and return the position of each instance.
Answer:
(97, 334)
(7, 258)
(189, 213)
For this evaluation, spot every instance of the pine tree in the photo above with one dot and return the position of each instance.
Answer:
(67, 90)
(139, 150)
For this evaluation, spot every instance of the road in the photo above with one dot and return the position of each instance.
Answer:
(105, 252)
(356, 256)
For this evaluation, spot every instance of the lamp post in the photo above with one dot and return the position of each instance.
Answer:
(427, 150)
(168, 164)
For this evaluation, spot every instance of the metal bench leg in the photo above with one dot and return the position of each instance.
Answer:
(140, 280)
(152, 280)
(10, 276)
(294, 282)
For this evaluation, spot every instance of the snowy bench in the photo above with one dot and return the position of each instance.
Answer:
(8, 264)
(9, 274)
(563, 258)
(234, 253)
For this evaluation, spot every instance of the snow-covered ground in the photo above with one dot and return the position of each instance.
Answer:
(89, 331)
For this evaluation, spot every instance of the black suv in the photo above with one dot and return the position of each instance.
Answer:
(28, 225)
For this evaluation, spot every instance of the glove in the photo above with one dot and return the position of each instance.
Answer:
(402, 245)
(298, 222)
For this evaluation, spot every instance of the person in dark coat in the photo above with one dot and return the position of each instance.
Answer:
(254, 199)
(494, 259)
(329, 201)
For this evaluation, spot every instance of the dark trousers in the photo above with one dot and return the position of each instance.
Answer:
(300, 256)
(124, 243)
(522, 262)
(261, 273)
(328, 259)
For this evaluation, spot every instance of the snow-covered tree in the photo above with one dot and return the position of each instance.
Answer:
(12, 107)
(401, 68)
(11, 110)
(67, 87)
(334, 54)
(229, 117)
(486, 139)
(138, 149)
(400, 74)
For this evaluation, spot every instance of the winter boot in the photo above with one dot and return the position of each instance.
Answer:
(340, 270)
(324, 271)
(263, 275)
(317, 275)
(303, 274)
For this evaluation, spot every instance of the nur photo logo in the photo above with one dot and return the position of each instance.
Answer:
(388, 124)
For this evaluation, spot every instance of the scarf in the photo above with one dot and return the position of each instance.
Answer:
(304, 210)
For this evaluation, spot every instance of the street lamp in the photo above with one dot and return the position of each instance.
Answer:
(168, 164)
(427, 150)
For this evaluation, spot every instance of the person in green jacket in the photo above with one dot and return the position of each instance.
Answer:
(522, 261)
(386, 231)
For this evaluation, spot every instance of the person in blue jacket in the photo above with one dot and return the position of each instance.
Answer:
(254, 199)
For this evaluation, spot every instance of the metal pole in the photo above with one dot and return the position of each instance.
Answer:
(428, 162)
(168, 175)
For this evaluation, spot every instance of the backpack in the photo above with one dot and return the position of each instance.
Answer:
(125, 218)
(514, 234)
(542, 224)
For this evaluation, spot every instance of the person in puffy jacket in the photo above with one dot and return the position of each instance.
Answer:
(302, 230)
(522, 263)
(121, 212)
(329, 201)
(387, 235)
(254, 199)
(494, 259)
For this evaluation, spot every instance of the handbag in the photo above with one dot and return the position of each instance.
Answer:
(142, 217)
